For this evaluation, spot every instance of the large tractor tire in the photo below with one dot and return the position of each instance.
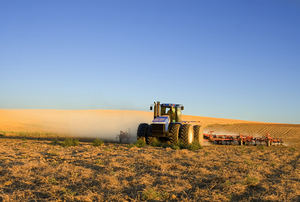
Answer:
(174, 133)
(198, 135)
(143, 131)
(186, 134)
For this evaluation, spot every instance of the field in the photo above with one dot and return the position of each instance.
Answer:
(38, 170)
(41, 169)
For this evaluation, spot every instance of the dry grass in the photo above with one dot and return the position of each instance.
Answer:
(39, 170)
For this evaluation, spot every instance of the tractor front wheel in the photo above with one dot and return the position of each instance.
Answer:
(142, 132)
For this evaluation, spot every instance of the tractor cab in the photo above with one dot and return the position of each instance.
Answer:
(170, 111)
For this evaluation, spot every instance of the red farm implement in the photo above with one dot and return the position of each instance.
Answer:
(241, 139)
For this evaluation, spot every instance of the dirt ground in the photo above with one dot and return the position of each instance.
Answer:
(38, 170)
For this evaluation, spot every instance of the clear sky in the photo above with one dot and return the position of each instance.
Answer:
(231, 59)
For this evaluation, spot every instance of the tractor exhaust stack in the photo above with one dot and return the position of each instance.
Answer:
(156, 109)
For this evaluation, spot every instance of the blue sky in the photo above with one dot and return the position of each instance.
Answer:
(230, 59)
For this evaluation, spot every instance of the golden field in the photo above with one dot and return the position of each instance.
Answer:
(43, 170)
(37, 170)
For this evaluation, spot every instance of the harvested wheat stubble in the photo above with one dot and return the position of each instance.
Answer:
(38, 170)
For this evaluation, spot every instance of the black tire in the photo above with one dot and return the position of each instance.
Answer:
(198, 136)
(186, 135)
(143, 131)
(174, 133)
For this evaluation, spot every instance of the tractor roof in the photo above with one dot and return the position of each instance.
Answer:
(171, 105)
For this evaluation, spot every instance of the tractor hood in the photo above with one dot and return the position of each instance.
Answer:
(161, 120)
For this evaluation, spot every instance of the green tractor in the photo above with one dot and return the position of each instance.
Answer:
(167, 126)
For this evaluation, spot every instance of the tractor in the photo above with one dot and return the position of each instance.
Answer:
(167, 126)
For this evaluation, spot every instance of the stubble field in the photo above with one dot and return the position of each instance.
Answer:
(39, 170)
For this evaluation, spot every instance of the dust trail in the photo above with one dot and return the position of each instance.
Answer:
(104, 124)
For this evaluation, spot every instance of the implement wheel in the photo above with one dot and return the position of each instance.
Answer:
(186, 134)
(143, 131)
(174, 133)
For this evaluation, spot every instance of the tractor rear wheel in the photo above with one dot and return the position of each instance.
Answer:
(174, 133)
(186, 135)
(198, 136)
(143, 131)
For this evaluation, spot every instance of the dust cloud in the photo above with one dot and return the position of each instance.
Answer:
(103, 124)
